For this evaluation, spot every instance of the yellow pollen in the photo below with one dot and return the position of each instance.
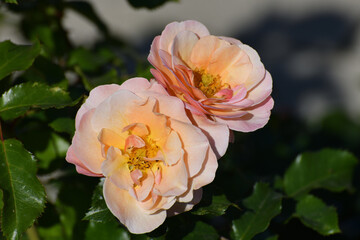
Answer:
(137, 155)
(207, 83)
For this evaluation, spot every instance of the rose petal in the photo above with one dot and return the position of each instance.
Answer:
(80, 167)
(90, 155)
(115, 168)
(129, 212)
(256, 117)
(143, 190)
(174, 180)
(183, 207)
(217, 134)
(194, 143)
(96, 96)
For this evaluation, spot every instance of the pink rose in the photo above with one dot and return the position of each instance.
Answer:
(140, 139)
(218, 78)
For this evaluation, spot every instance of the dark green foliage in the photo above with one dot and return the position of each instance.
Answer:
(330, 169)
(315, 214)
(217, 207)
(20, 98)
(99, 211)
(16, 57)
(264, 204)
(24, 196)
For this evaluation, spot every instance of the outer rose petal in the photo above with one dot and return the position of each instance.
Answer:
(80, 167)
(262, 90)
(85, 135)
(172, 29)
(136, 84)
(207, 174)
(112, 113)
(217, 133)
(194, 143)
(167, 105)
(129, 212)
(256, 118)
(96, 96)
(174, 180)
(180, 207)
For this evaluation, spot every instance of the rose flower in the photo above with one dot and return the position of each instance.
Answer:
(219, 78)
(140, 139)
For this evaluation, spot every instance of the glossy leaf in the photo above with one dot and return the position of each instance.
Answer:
(11, 1)
(20, 98)
(314, 213)
(66, 125)
(219, 205)
(24, 195)
(98, 211)
(329, 169)
(16, 57)
(202, 231)
(265, 204)
(108, 231)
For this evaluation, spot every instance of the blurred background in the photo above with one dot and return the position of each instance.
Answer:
(311, 48)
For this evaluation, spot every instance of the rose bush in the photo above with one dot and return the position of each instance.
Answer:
(141, 140)
(219, 78)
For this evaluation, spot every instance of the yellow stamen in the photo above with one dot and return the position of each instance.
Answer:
(207, 83)
(137, 155)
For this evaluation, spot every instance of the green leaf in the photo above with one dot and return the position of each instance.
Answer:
(202, 231)
(20, 98)
(265, 204)
(24, 196)
(16, 57)
(148, 4)
(98, 211)
(108, 231)
(218, 207)
(314, 213)
(66, 125)
(11, 1)
(328, 168)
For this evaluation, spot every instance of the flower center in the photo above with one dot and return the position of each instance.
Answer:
(207, 83)
(139, 157)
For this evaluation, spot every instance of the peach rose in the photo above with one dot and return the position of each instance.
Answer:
(140, 139)
(219, 78)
